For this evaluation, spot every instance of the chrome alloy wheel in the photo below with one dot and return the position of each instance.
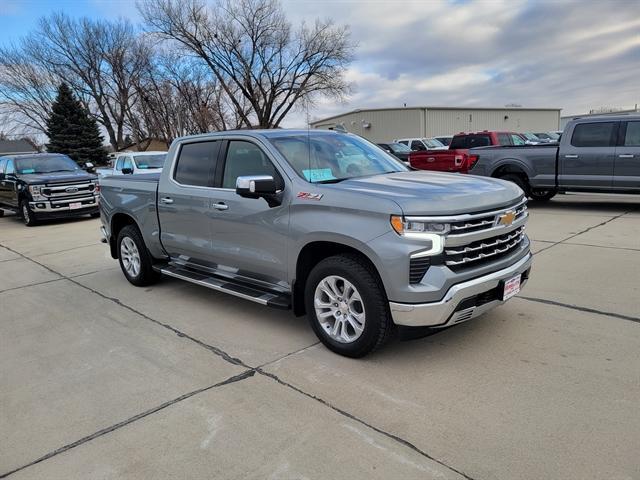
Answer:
(26, 216)
(130, 257)
(339, 309)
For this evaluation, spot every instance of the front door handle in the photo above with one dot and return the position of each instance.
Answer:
(626, 155)
(571, 156)
(220, 206)
(167, 200)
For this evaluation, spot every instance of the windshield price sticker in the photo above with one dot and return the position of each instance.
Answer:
(318, 174)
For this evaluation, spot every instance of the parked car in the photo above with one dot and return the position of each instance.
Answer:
(531, 139)
(326, 224)
(457, 157)
(398, 150)
(595, 154)
(444, 139)
(131, 163)
(548, 137)
(419, 144)
(46, 185)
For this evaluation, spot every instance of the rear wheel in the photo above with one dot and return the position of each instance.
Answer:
(28, 217)
(521, 181)
(135, 261)
(542, 195)
(347, 306)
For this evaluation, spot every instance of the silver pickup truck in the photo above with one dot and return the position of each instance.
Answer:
(595, 154)
(324, 223)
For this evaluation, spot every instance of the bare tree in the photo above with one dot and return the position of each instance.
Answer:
(99, 59)
(27, 90)
(255, 54)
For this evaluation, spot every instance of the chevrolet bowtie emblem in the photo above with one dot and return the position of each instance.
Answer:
(507, 218)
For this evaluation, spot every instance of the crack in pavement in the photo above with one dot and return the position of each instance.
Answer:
(344, 413)
(583, 231)
(581, 309)
(104, 431)
(235, 361)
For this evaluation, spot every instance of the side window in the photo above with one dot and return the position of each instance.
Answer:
(631, 138)
(458, 142)
(598, 134)
(404, 142)
(246, 158)
(196, 163)
(503, 139)
(119, 163)
(417, 145)
(517, 139)
(10, 169)
(127, 163)
(3, 163)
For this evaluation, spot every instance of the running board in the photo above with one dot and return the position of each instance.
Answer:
(275, 300)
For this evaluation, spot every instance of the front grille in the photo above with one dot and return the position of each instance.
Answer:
(417, 269)
(479, 222)
(488, 249)
(69, 191)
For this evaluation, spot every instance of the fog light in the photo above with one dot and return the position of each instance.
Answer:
(40, 205)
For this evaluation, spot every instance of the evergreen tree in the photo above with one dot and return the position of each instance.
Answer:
(72, 131)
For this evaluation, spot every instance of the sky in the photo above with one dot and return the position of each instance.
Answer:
(574, 55)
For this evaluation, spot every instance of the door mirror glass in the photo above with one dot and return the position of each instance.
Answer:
(255, 186)
(89, 167)
(127, 170)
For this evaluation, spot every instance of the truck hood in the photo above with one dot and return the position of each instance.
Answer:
(434, 193)
(56, 177)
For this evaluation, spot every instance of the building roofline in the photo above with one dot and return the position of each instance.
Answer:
(432, 107)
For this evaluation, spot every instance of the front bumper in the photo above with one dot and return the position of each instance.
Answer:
(88, 204)
(462, 301)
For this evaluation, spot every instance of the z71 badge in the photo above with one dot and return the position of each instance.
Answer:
(310, 196)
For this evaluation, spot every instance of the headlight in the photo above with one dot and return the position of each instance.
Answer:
(431, 233)
(35, 190)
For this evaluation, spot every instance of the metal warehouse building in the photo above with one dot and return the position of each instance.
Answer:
(385, 124)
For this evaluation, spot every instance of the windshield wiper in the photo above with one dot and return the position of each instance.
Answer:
(54, 171)
(332, 180)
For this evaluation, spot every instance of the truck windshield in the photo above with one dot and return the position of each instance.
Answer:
(150, 161)
(45, 164)
(332, 157)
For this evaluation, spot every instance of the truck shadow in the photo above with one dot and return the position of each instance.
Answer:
(568, 204)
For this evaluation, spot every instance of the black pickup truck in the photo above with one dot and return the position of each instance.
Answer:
(595, 154)
(46, 185)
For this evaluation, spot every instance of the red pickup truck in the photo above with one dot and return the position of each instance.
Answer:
(457, 157)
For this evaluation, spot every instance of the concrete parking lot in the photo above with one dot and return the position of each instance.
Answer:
(102, 380)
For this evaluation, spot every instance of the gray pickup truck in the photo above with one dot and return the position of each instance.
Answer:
(324, 223)
(595, 154)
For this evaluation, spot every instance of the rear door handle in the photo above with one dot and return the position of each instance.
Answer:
(167, 200)
(626, 155)
(220, 206)
(571, 156)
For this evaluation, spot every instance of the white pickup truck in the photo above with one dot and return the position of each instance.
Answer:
(131, 163)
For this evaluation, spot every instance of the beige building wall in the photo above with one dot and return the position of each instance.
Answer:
(383, 125)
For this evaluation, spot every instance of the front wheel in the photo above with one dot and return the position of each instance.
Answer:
(347, 306)
(28, 217)
(135, 261)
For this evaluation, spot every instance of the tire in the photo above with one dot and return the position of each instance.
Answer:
(135, 261)
(536, 195)
(95, 215)
(28, 217)
(368, 308)
(518, 180)
(542, 195)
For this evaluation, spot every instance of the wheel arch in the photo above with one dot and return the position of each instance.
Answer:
(314, 252)
(118, 222)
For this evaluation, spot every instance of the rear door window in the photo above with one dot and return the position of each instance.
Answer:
(197, 163)
(503, 139)
(417, 145)
(597, 134)
(631, 137)
(3, 163)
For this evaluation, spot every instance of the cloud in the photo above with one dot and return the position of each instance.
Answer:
(573, 55)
